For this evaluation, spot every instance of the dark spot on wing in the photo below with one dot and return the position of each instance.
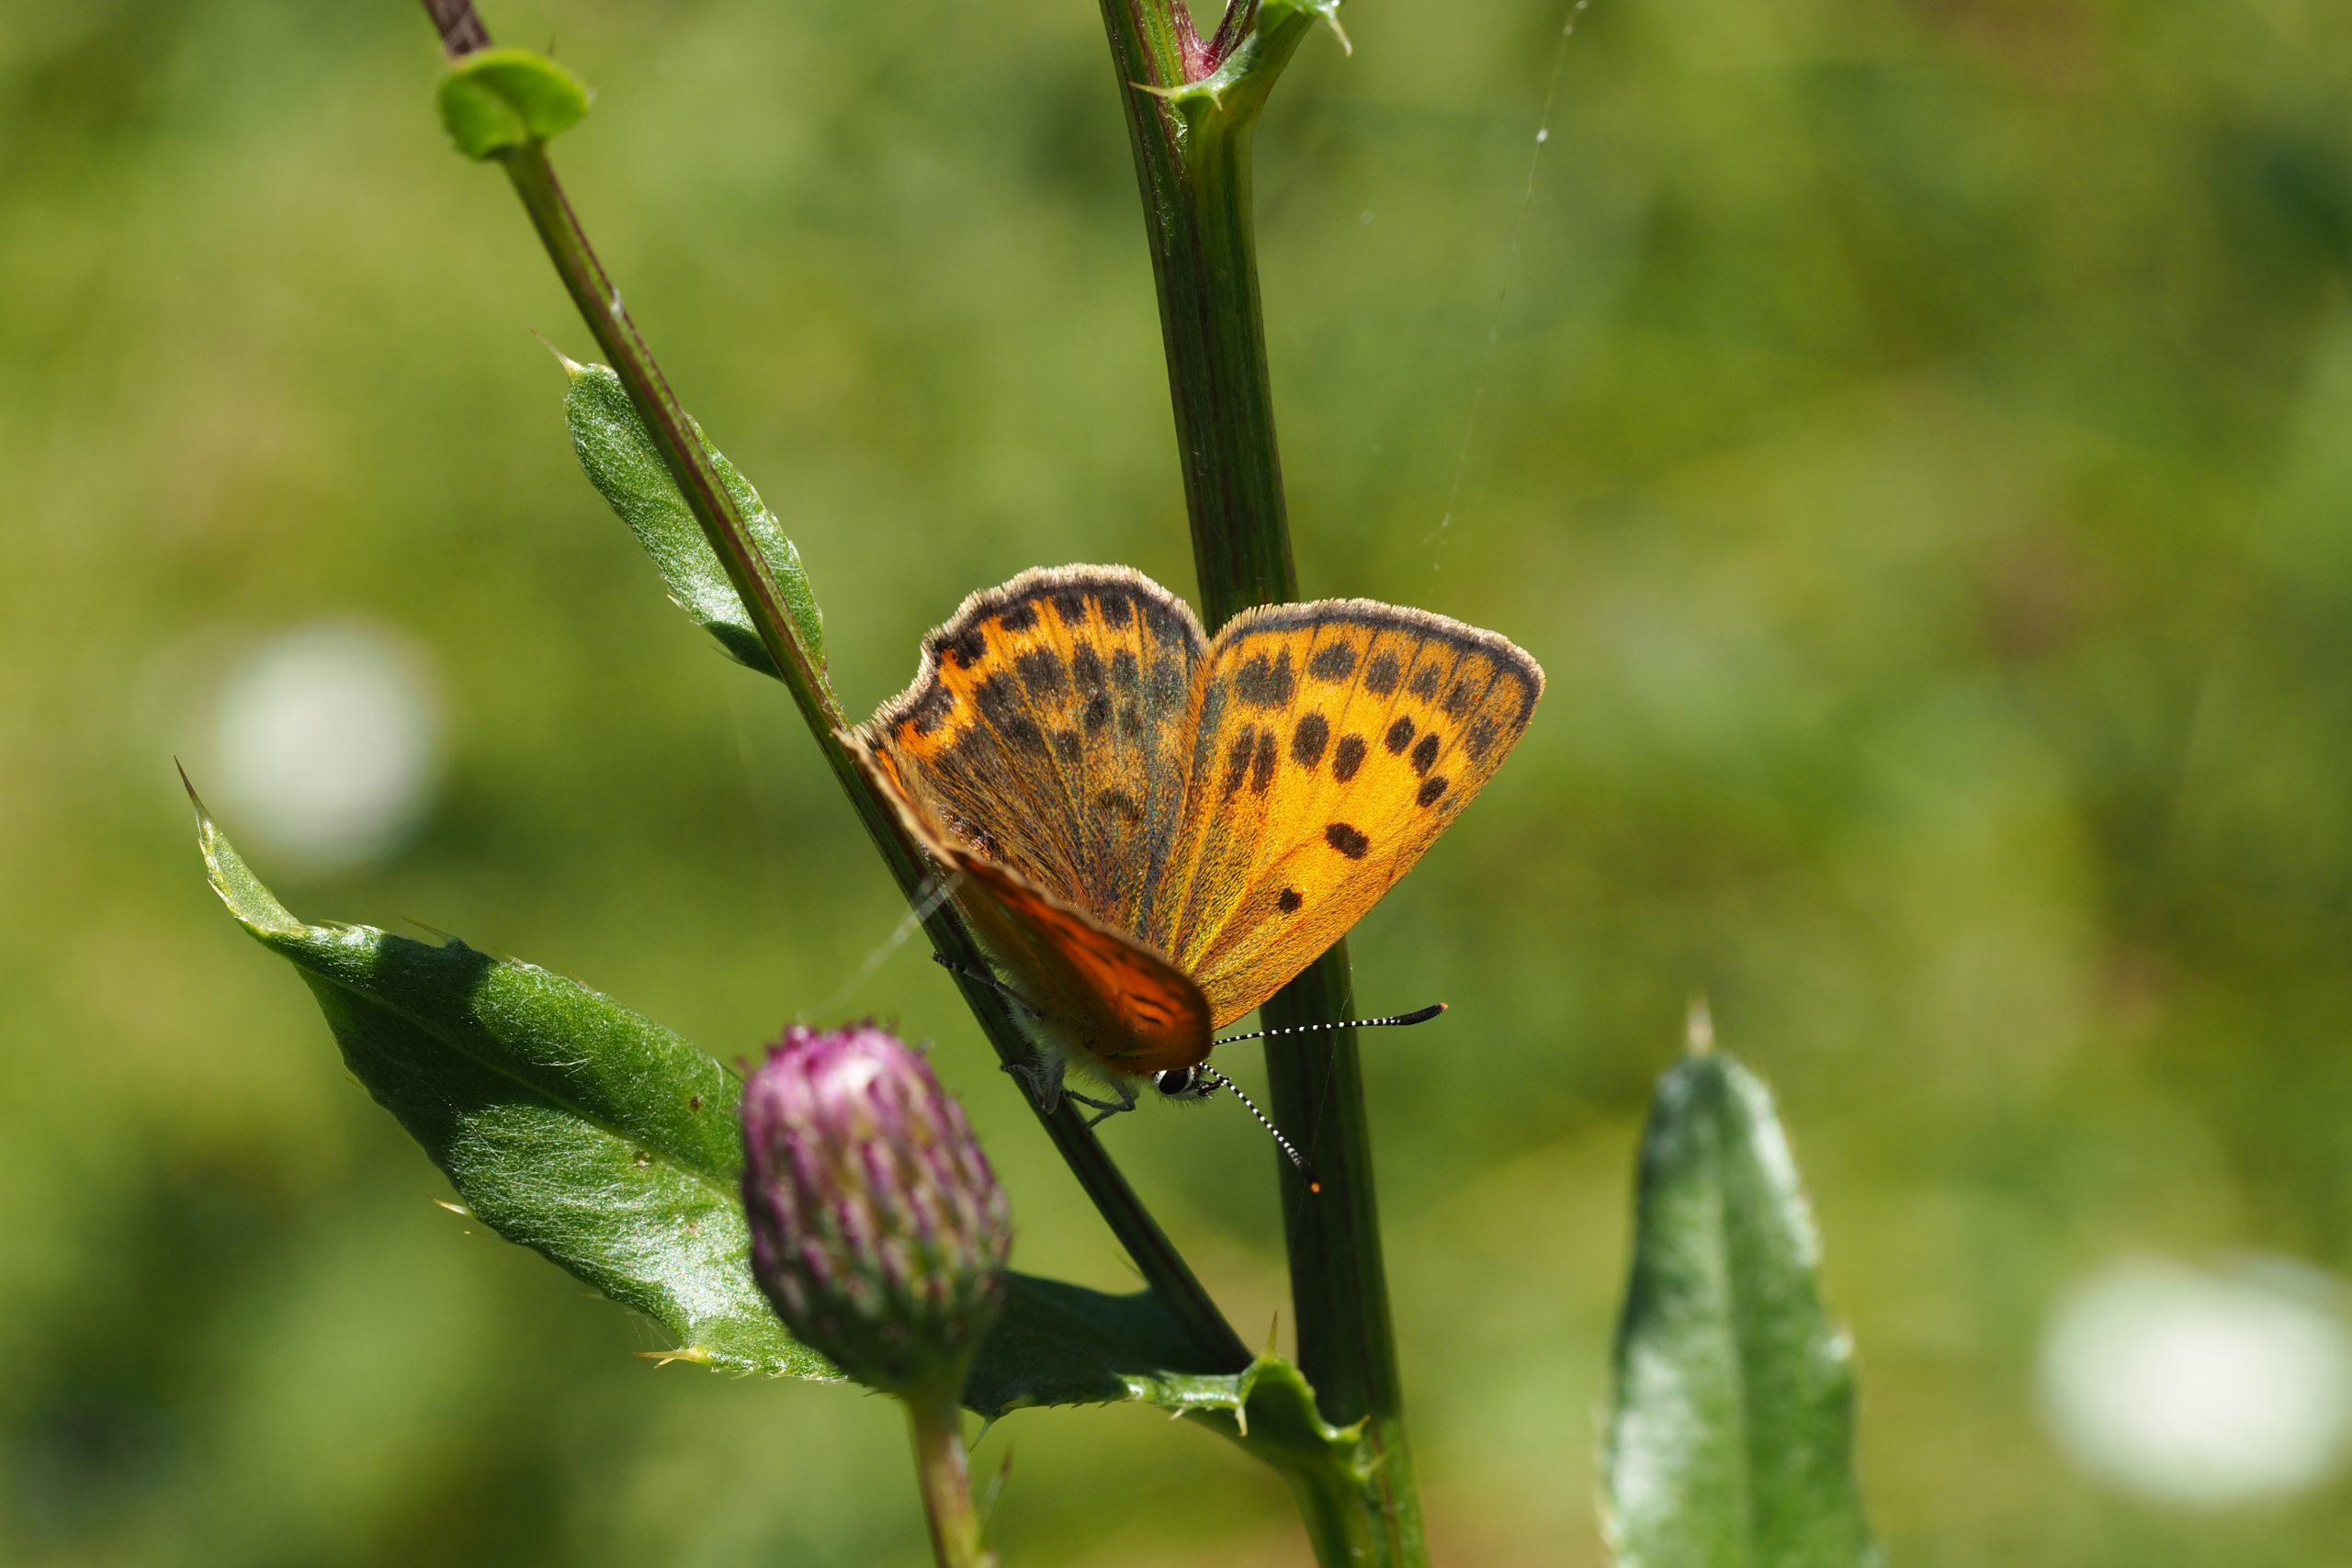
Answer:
(1306, 742)
(1070, 603)
(1332, 662)
(1120, 803)
(1085, 668)
(1381, 675)
(1288, 900)
(931, 709)
(1117, 605)
(1097, 716)
(1424, 684)
(1125, 675)
(996, 699)
(1348, 841)
(1043, 672)
(1347, 757)
(1399, 736)
(1481, 739)
(1067, 745)
(1457, 698)
(1265, 683)
(1431, 789)
(1000, 706)
(1425, 754)
(1018, 617)
(1237, 759)
(1130, 721)
(963, 649)
(1261, 767)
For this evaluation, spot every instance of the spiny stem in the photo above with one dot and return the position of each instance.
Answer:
(599, 302)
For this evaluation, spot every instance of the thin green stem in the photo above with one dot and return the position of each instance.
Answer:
(944, 1476)
(1218, 1347)
(1192, 148)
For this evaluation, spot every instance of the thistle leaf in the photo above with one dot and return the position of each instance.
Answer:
(612, 1147)
(620, 459)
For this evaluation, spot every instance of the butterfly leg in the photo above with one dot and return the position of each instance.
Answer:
(1044, 1081)
(1105, 1109)
(992, 981)
(1050, 1088)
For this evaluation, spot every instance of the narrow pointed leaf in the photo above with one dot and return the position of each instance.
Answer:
(1731, 1441)
(611, 1147)
(622, 461)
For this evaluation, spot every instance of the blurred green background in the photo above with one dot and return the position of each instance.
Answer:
(1916, 438)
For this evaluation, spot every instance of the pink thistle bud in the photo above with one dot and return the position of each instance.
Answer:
(878, 1231)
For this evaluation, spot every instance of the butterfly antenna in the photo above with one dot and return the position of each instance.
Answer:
(1314, 1182)
(1419, 1015)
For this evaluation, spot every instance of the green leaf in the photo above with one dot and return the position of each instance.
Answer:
(1730, 1442)
(622, 461)
(612, 1148)
(494, 99)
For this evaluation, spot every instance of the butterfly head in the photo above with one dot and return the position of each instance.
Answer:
(1187, 1083)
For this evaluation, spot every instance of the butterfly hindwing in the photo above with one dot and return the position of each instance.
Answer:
(1123, 1006)
(1335, 741)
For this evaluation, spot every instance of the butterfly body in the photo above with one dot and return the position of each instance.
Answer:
(1152, 829)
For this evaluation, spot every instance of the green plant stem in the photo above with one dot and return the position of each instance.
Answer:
(945, 1478)
(1194, 175)
(1218, 1347)
(1340, 1528)
(1196, 187)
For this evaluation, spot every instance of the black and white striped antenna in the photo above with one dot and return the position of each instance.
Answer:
(1419, 1015)
(1314, 1182)
(1398, 1020)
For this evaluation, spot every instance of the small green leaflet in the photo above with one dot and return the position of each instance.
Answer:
(1731, 1441)
(496, 99)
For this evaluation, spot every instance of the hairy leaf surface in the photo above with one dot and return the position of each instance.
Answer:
(1731, 1441)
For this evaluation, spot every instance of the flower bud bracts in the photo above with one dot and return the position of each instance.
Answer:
(878, 1231)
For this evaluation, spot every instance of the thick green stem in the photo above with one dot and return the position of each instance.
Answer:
(946, 1479)
(1347, 1343)
(1339, 1527)
(1196, 173)
(1192, 145)
(599, 302)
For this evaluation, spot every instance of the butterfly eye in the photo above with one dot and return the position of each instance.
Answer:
(1175, 1080)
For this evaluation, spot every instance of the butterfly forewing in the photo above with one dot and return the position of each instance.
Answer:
(1040, 757)
(1047, 730)
(1335, 742)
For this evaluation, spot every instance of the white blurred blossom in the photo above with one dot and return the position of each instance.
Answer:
(327, 743)
(2205, 1388)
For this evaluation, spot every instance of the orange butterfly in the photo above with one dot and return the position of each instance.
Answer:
(1154, 830)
